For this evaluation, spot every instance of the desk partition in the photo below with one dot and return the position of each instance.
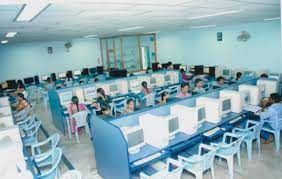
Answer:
(111, 151)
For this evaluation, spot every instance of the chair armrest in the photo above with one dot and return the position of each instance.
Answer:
(173, 162)
(204, 146)
(251, 122)
(229, 134)
(184, 159)
(38, 145)
(239, 129)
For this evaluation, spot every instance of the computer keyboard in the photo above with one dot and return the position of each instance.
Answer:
(144, 160)
(211, 132)
(235, 120)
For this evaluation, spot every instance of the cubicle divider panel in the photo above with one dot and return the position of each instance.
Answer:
(110, 149)
(55, 107)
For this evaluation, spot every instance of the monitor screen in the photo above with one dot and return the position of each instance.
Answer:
(90, 93)
(226, 72)
(135, 138)
(173, 125)
(29, 80)
(113, 88)
(201, 114)
(274, 76)
(246, 96)
(184, 67)
(226, 105)
(77, 73)
(153, 80)
(62, 75)
(167, 77)
(92, 70)
(206, 70)
(65, 98)
(44, 77)
(248, 73)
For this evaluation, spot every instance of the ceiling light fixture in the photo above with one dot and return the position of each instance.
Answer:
(90, 36)
(204, 26)
(131, 28)
(31, 10)
(272, 19)
(216, 14)
(11, 34)
(4, 41)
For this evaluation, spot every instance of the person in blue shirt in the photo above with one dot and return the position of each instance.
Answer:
(199, 87)
(272, 113)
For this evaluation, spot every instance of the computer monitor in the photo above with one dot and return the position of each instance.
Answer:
(249, 73)
(113, 88)
(29, 80)
(237, 99)
(90, 93)
(12, 84)
(134, 137)
(226, 73)
(160, 82)
(213, 108)
(173, 126)
(184, 67)
(100, 70)
(62, 75)
(92, 70)
(153, 81)
(275, 76)
(199, 70)
(167, 78)
(245, 97)
(134, 86)
(77, 72)
(206, 70)
(255, 93)
(85, 72)
(268, 86)
(226, 105)
(65, 98)
(45, 77)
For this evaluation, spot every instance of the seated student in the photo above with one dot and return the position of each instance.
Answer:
(96, 80)
(184, 76)
(103, 103)
(264, 75)
(199, 86)
(164, 98)
(21, 89)
(130, 106)
(81, 82)
(22, 103)
(145, 90)
(49, 85)
(69, 81)
(219, 82)
(73, 108)
(169, 66)
(184, 91)
(238, 76)
(272, 113)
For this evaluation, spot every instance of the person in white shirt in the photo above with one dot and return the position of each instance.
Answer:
(199, 86)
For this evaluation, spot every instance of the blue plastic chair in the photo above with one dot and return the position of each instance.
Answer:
(31, 134)
(251, 132)
(27, 122)
(53, 172)
(227, 150)
(166, 173)
(43, 158)
(276, 130)
(198, 164)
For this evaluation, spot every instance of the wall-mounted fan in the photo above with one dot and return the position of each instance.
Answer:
(68, 45)
(244, 36)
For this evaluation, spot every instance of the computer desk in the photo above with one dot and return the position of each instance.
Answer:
(111, 151)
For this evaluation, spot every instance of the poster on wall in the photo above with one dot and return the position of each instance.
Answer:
(219, 36)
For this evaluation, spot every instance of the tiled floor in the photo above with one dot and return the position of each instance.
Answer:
(268, 166)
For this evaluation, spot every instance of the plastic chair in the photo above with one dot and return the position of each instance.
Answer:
(120, 106)
(251, 132)
(174, 89)
(158, 94)
(81, 121)
(21, 115)
(54, 171)
(43, 158)
(72, 174)
(27, 122)
(197, 164)
(31, 134)
(275, 130)
(227, 150)
(149, 99)
(166, 173)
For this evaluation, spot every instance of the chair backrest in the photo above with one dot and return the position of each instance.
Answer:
(120, 105)
(256, 129)
(233, 147)
(55, 138)
(80, 118)
(207, 160)
(33, 129)
(53, 172)
(150, 99)
(174, 89)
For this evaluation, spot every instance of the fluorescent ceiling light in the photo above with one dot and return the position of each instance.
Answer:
(131, 28)
(271, 19)
(4, 41)
(11, 34)
(32, 9)
(216, 14)
(89, 36)
(204, 26)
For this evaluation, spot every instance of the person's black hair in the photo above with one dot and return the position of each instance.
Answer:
(22, 96)
(198, 80)
(81, 82)
(21, 86)
(129, 101)
(102, 92)
(264, 75)
(48, 80)
(182, 70)
(165, 93)
(145, 85)
(75, 101)
(169, 63)
(238, 75)
(219, 78)
(131, 74)
(184, 84)
(96, 80)
(275, 97)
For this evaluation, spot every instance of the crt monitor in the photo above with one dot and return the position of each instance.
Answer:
(29, 80)
(167, 78)
(153, 81)
(90, 93)
(134, 137)
(62, 75)
(201, 115)
(12, 84)
(44, 77)
(113, 88)
(226, 105)
(275, 76)
(77, 73)
(92, 70)
(226, 72)
(100, 70)
(173, 126)
(85, 72)
(65, 98)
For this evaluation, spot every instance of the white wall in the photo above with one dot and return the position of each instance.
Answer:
(29, 59)
(200, 46)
